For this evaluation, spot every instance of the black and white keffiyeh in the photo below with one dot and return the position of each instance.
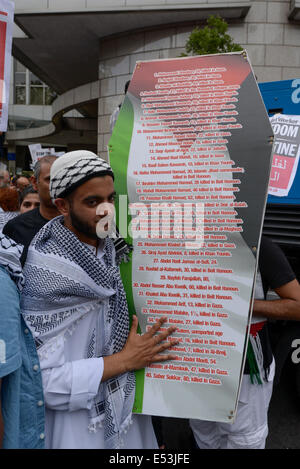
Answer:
(63, 281)
(10, 253)
(73, 169)
(6, 216)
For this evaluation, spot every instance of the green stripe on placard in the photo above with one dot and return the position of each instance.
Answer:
(119, 147)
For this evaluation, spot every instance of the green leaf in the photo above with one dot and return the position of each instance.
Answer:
(211, 39)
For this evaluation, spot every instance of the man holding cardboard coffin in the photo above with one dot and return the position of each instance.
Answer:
(74, 303)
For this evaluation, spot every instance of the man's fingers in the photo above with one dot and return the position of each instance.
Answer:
(156, 327)
(134, 325)
(163, 335)
(162, 358)
(165, 346)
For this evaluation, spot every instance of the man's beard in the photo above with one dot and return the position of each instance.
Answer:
(82, 226)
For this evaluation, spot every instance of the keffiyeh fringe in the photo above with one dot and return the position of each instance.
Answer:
(97, 424)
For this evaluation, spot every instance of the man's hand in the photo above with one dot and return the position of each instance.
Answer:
(140, 350)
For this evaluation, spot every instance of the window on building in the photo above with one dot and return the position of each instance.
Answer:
(29, 89)
(20, 83)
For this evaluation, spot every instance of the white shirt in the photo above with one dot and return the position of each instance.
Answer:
(71, 382)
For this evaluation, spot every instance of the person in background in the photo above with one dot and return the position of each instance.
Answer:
(22, 183)
(23, 228)
(9, 199)
(29, 199)
(4, 178)
(9, 202)
(250, 428)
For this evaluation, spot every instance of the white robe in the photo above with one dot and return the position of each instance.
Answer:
(71, 382)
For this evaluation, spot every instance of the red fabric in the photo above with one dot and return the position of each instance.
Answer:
(255, 328)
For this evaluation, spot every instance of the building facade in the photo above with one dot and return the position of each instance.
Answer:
(86, 50)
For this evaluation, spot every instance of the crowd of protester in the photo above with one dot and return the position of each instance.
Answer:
(17, 196)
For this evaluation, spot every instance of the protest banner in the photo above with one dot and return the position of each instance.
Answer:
(37, 152)
(286, 153)
(6, 29)
(192, 151)
(34, 148)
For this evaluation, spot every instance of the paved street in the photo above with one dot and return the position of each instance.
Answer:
(284, 413)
